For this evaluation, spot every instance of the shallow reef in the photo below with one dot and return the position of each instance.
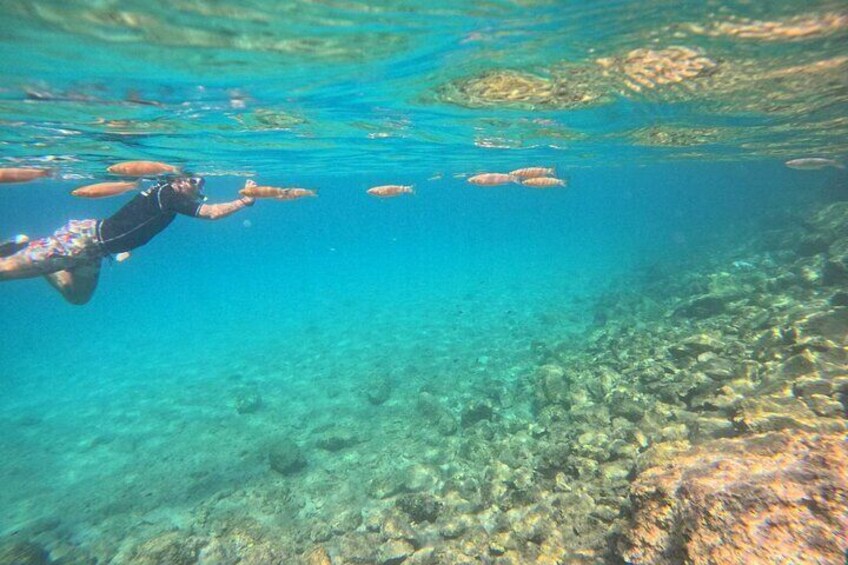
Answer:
(701, 419)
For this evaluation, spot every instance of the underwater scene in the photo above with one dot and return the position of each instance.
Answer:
(423, 282)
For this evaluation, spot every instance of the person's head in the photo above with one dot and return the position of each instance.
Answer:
(191, 185)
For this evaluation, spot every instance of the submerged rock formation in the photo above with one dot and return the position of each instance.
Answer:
(769, 498)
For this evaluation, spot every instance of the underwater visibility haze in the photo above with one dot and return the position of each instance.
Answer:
(643, 363)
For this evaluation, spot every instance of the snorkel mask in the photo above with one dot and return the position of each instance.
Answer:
(197, 182)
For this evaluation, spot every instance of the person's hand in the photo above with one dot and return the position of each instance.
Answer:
(248, 200)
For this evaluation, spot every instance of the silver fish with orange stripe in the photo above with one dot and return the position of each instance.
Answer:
(105, 189)
(533, 172)
(543, 182)
(390, 190)
(492, 179)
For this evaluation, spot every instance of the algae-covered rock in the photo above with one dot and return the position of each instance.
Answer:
(423, 556)
(716, 368)
(628, 404)
(477, 411)
(359, 547)
(706, 427)
(394, 552)
(810, 385)
(826, 406)
(533, 526)
(243, 542)
(703, 306)
(317, 556)
(550, 386)
(832, 325)
(552, 457)
(419, 507)
(831, 221)
(248, 401)
(286, 457)
(177, 548)
(437, 414)
(378, 390)
(23, 553)
(337, 439)
(386, 484)
(771, 498)
(774, 412)
(454, 526)
(695, 345)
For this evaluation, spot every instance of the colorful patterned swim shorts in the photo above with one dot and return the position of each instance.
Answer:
(70, 246)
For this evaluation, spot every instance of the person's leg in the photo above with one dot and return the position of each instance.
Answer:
(76, 285)
(23, 266)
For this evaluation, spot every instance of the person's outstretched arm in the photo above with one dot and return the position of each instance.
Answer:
(224, 209)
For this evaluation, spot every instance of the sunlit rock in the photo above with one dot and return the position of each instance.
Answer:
(766, 499)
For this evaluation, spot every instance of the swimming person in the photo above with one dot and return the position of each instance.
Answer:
(70, 258)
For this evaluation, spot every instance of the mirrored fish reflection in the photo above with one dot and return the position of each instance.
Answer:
(813, 164)
(804, 26)
(10, 175)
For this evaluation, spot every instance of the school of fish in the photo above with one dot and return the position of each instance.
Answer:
(536, 177)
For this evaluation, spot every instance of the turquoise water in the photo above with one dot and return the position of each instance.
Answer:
(119, 418)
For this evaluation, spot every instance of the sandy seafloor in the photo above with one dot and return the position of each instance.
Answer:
(142, 434)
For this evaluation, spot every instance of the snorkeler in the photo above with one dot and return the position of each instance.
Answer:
(70, 258)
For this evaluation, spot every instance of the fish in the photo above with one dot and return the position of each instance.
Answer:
(543, 182)
(492, 179)
(142, 168)
(21, 174)
(256, 191)
(813, 164)
(533, 172)
(105, 189)
(122, 256)
(390, 190)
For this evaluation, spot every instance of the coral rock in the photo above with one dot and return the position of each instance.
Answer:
(248, 401)
(378, 390)
(476, 411)
(174, 547)
(420, 507)
(772, 413)
(317, 556)
(770, 498)
(394, 552)
(286, 457)
(338, 439)
(704, 306)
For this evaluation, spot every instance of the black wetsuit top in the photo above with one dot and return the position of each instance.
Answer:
(143, 217)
